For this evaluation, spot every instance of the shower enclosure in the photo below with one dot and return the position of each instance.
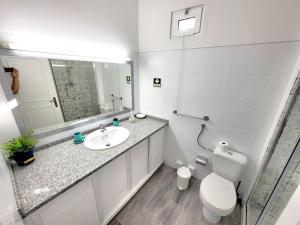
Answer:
(76, 87)
(280, 175)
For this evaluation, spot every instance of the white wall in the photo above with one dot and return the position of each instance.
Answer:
(8, 210)
(239, 87)
(8, 126)
(100, 28)
(111, 79)
(105, 28)
(8, 129)
(92, 27)
(226, 22)
(124, 87)
(105, 76)
(290, 214)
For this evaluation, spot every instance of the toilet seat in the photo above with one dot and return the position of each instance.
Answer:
(218, 194)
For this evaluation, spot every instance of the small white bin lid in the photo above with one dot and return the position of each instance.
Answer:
(184, 172)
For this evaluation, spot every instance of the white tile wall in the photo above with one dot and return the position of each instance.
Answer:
(219, 60)
(195, 61)
(239, 87)
(265, 59)
(233, 87)
(8, 208)
(255, 89)
(241, 57)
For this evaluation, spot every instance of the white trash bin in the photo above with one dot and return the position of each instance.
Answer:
(183, 177)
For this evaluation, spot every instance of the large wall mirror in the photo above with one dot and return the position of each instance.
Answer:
(56, 93)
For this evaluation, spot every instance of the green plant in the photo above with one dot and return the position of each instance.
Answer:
(20, 144)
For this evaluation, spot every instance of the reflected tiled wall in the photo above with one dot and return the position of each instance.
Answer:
(76, 87)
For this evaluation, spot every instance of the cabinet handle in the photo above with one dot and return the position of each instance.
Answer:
(54, 101)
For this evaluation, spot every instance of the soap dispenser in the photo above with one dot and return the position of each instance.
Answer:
(131, 117)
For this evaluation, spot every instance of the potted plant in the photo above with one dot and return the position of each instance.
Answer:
(21, 148)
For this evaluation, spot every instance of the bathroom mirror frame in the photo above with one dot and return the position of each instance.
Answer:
(76, 123)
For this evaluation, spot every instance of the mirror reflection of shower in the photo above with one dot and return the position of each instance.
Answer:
(90, 88)
(76, 87)
(69, 83)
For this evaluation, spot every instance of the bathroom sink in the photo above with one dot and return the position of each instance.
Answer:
(106, 138)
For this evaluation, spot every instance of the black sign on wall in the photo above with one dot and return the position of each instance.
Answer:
(128, 79)
(156, 82)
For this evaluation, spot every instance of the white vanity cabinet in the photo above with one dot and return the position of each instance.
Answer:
(76, 206)
(138, 163)
(111, 186)
(99, 197)
(156, 150)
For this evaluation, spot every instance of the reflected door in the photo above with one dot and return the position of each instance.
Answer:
(37, 97)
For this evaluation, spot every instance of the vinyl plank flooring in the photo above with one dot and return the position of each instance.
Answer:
(159, 202)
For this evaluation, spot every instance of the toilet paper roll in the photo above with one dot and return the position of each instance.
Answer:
(223, 145)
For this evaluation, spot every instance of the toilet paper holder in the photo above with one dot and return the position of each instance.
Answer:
(201, 160)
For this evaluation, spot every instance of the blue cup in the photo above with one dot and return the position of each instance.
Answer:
(78, 137)
(116, 122)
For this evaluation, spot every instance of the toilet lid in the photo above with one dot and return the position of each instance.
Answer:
(218, 192)
(184, 172)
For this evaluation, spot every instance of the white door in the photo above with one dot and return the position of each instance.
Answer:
(38, 101)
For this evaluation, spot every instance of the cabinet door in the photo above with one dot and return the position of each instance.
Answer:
(111, 185)
(138, 163)
(76, 206)
(156, 150)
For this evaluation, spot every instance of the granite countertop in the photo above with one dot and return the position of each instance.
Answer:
(59, 167)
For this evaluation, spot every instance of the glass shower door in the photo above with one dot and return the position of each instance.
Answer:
(284, 190)
(281, 174)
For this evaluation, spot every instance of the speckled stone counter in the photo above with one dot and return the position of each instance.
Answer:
(61, 166)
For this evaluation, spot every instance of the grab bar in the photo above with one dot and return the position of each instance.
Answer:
(205, 118)
(119, 98)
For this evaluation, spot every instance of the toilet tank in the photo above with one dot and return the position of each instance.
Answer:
(228, 164)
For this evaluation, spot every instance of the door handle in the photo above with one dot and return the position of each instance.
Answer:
(54, 101)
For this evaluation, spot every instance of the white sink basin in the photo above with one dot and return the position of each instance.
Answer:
(109, 138)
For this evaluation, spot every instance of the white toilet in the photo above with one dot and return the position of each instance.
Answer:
(217, 191)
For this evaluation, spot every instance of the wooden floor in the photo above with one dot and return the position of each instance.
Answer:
(159, 202)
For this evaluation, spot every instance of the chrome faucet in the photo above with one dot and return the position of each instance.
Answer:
(102, 128)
